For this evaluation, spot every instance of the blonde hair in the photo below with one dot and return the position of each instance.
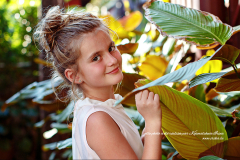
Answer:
(55, 34)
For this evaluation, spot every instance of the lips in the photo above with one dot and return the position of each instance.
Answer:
(114, 71)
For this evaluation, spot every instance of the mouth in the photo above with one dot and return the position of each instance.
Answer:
(114, 71)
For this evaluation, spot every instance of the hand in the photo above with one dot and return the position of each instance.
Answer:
(148, 105)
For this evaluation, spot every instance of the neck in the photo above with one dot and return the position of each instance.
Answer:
(101, 94)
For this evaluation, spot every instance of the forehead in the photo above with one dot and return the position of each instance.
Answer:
(95, 41)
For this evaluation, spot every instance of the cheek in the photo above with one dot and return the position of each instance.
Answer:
(118, 56)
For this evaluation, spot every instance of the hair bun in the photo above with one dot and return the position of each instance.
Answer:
(47, 28)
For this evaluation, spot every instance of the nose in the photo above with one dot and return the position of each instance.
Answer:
(111, 60)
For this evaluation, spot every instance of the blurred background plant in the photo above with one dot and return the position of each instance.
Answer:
(35, 125)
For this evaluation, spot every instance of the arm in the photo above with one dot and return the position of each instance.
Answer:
(143, 136)
(109, 143)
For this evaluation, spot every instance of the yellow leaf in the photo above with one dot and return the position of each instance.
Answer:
(153, 67)
(134, 60)
(115, 25)
(210, 52)
(211, 94)
(211, 66)
(129, 48)
(131, 21)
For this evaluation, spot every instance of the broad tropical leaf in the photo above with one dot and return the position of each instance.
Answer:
(191, 120)
(197, 27)
(228, 53)
(186, 72)
(204, 78)
(229, 82)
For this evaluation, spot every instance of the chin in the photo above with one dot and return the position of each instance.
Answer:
(119, 78)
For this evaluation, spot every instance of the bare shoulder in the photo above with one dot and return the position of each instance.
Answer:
(105, 138)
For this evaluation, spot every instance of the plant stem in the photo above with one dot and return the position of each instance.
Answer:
(235, 69)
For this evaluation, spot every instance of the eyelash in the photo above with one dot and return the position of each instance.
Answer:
(113, 46)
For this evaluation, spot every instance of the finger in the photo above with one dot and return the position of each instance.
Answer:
(179, 156)
(156, 98)
(144, 95)
(138, 96)
(150, 96)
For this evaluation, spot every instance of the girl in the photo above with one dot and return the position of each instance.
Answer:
(82, 53)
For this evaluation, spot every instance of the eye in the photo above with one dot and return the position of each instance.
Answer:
(112, 48)
(96, 58)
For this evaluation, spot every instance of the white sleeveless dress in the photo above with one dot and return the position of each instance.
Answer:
(83, 109)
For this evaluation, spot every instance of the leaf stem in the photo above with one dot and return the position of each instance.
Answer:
(235, 69)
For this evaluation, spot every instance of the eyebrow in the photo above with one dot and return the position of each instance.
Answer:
(95, 53)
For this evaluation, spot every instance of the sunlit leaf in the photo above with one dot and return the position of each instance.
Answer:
(115, 25)
(42, 62)
(194, 26)
(154, 66)
(211, 94)
(65, 144)
(50, 146)
(211, 66)
(153, 34)
(129, 48)
(186, 72)
(168, 47)
(229, 82)
(160, 41)
(131, 21)
(185, 115)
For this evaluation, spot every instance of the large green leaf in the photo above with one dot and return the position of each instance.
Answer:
(187, 122)
(186, 72)
(197, 27)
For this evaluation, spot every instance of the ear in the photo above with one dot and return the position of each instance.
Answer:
(69, 74)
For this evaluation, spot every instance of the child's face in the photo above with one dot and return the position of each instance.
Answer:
(100, 63)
